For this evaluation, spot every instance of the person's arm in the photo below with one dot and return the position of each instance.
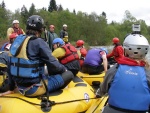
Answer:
(148, 76)
(59, 53)
(9, 32)
(6, 93)
(111, 54)
(105, 85)
(61, 34)
(103, 54)
(40, 48)
(83, 52)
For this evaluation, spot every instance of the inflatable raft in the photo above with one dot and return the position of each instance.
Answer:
(93, 80)
(77, 97)
(98, 105)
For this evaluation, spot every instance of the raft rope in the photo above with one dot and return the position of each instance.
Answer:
(101, 102)
(51, 102)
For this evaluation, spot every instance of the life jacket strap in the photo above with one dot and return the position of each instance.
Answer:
(26, 65)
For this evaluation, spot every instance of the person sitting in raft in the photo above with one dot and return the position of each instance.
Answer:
(27, 60)
(81, 51)
(95, 61)
(127, 83)
(118, 51)
(67, 55)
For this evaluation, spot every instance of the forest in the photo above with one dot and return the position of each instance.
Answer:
(92, 28)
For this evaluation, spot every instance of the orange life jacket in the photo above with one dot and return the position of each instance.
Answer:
(71, 54)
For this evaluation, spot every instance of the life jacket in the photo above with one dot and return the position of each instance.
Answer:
(65, 33)
(129, 89)
(18, 30)
(71, 54)
(3, 58)
(116, 54)
(82, 53)
(20, 65)
(3, 47)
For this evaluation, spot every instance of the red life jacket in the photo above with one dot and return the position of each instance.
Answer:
(71, 54)
(18, 30)
(83, 52)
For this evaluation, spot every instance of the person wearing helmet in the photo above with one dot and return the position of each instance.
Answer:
(51, 36)
(117, 52)
(81, 51)
(127, 83)
(29, 54)
(64, 33)
(15, 29)
(95, 61)
(67, 55)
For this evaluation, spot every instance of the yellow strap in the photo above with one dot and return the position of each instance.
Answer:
(3, 65)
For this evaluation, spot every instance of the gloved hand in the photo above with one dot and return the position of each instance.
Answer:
(98, 93)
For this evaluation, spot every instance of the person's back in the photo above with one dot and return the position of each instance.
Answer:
(67, 55)
(26, 69)
(127, 81)
(93, 61)
(93, 57)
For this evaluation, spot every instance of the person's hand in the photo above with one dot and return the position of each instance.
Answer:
(1, 94)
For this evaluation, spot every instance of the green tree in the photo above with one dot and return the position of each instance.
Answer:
(104, 14)
(52, 6)
(32, 10)
(3, 4)
(24, 13)
(60, 8)
(3, 22)
(74, 11)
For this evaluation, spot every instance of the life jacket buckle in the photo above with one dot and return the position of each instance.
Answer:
(14, 64)
(22, 91)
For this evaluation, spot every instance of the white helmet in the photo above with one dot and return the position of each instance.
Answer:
(65, 25)
(136, 46)
(15, 22)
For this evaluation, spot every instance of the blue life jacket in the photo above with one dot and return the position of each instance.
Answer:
(129, 89)
(3, 47)
(20, 65)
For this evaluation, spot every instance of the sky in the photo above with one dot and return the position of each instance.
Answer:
(114, 9)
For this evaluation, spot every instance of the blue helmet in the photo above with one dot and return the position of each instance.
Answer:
(104, 49)
(58, 40)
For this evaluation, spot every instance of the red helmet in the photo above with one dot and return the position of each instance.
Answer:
(79, 43)
(115, 40)
(52, 26)
(13, 35)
